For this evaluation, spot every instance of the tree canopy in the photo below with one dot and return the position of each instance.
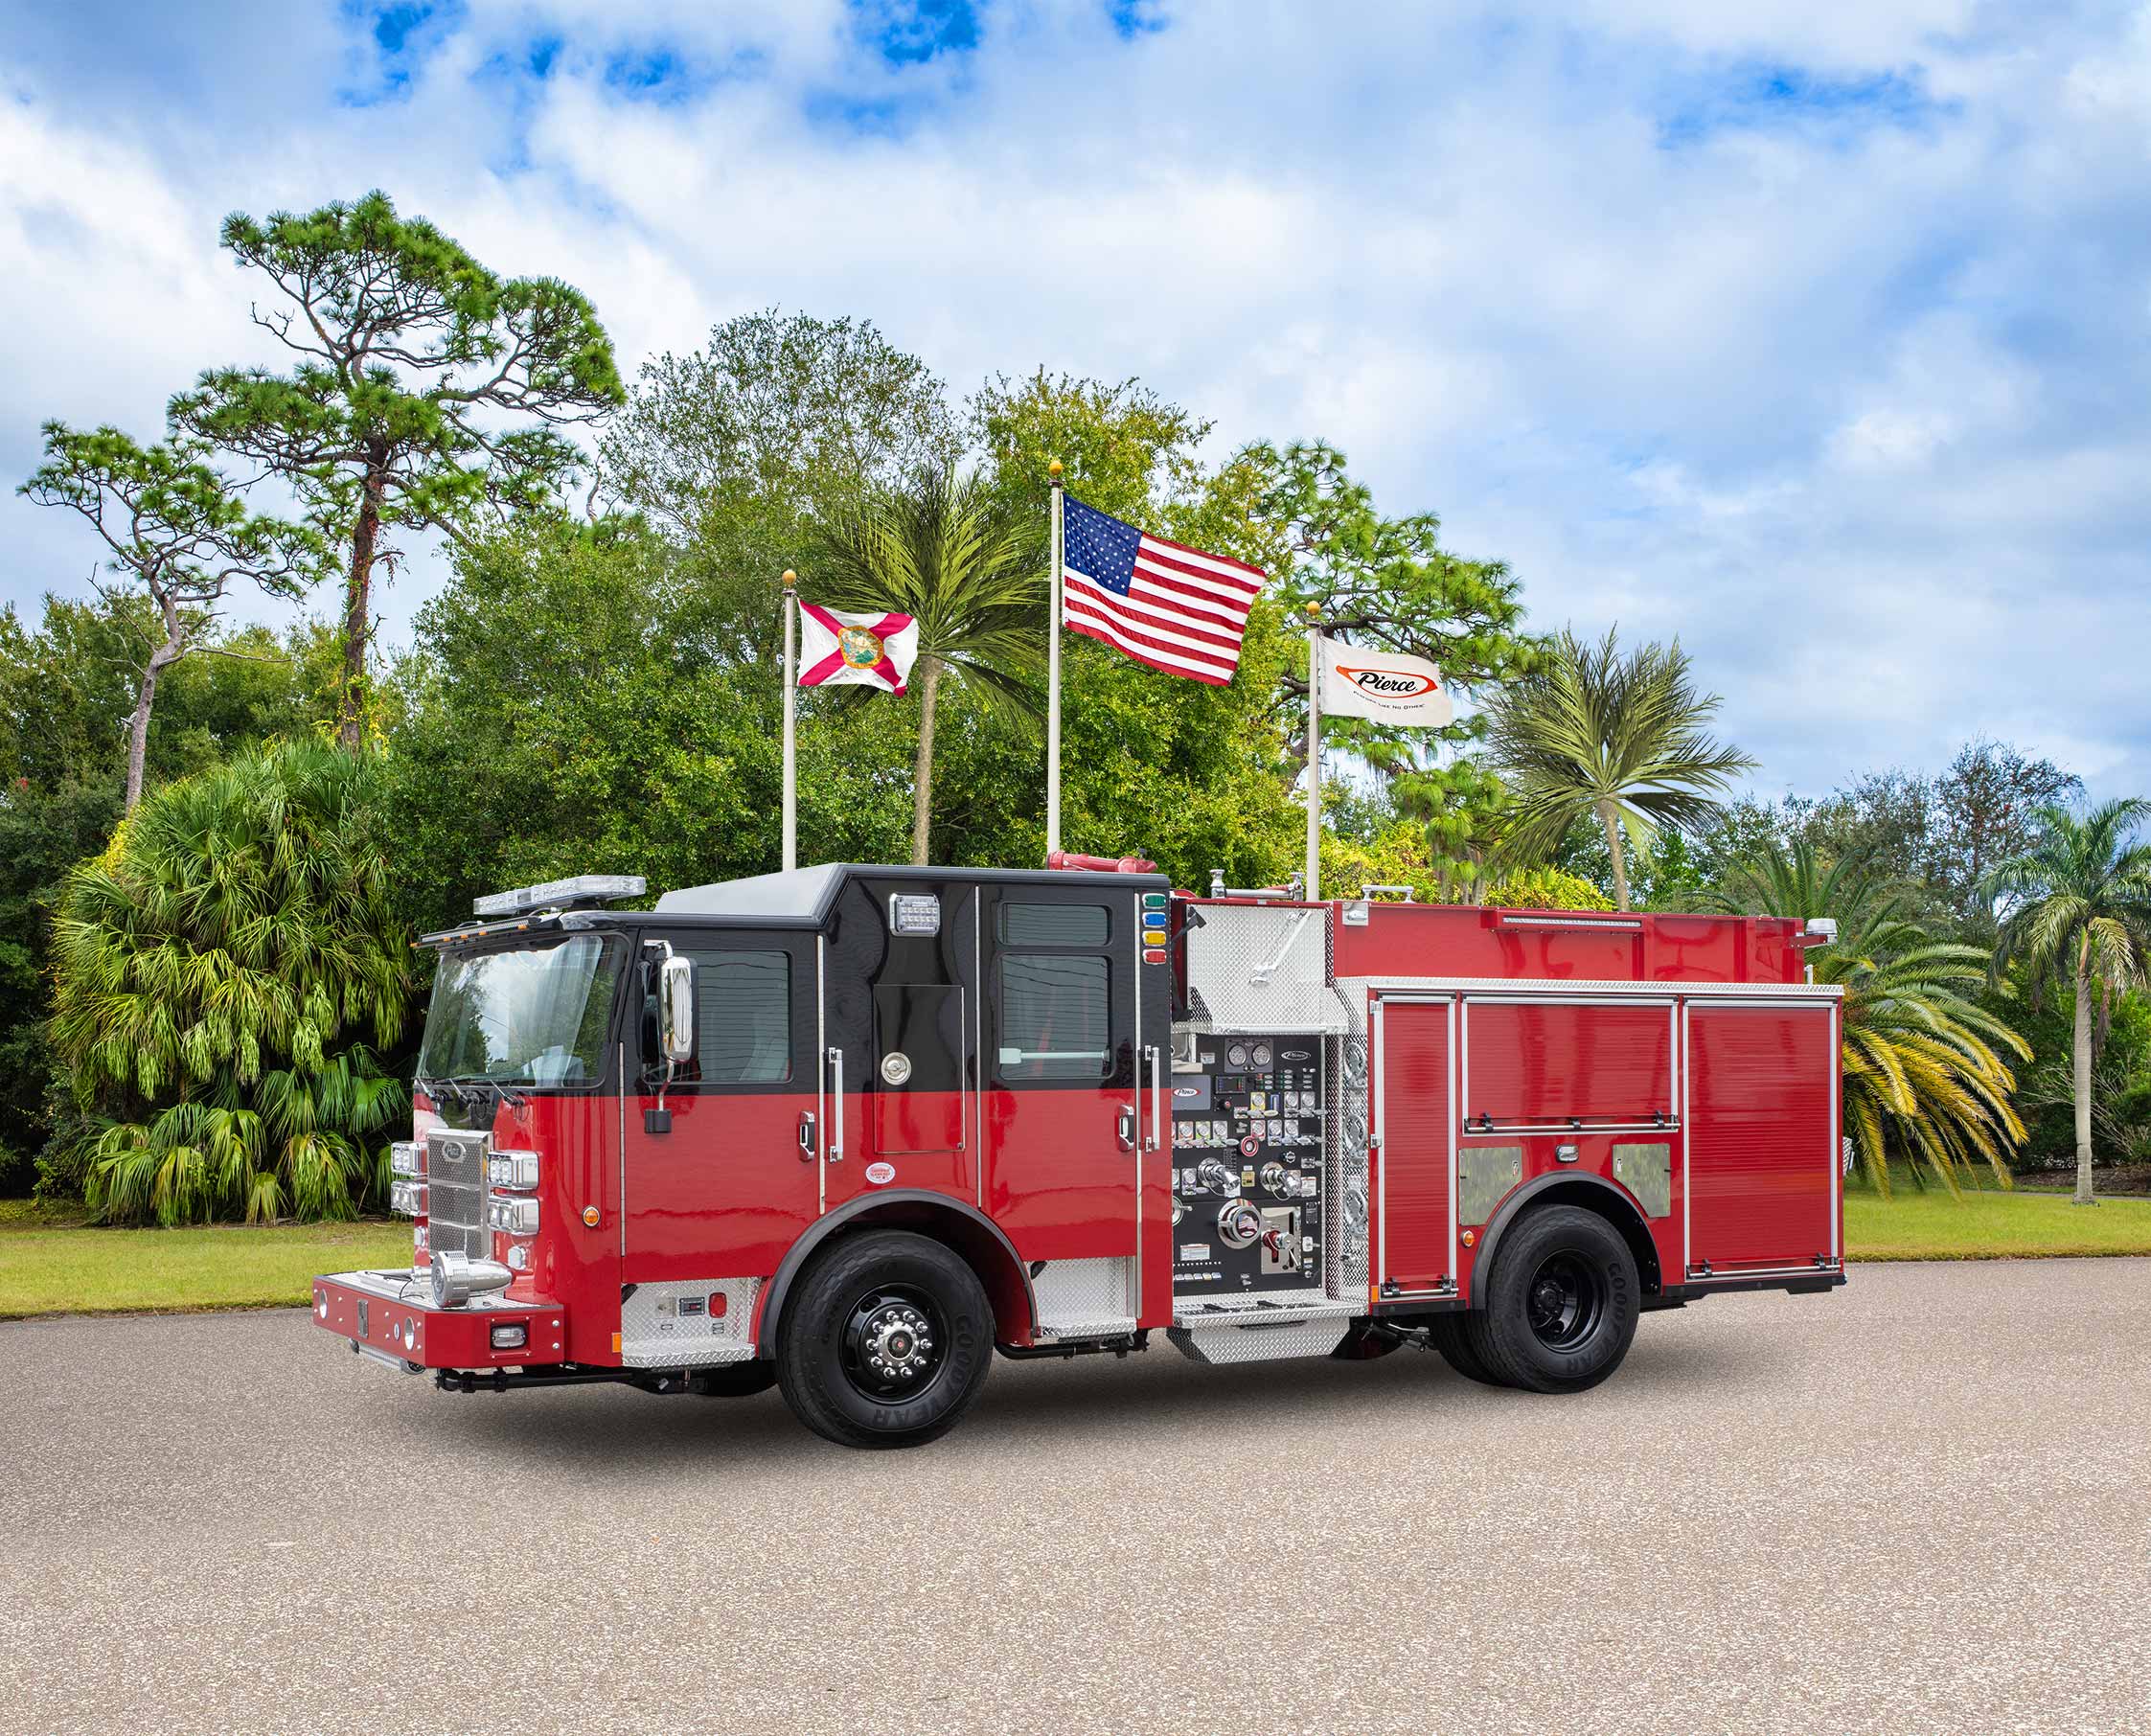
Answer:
(427, 389)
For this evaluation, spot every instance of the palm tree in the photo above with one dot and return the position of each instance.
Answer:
(1622, 738)
(213, 972)
(2079, 909)
(944, 551)
(1922, 1074)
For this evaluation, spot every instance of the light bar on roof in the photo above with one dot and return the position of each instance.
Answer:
(579, 889)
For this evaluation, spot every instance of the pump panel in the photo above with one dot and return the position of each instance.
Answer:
(1246, 1164)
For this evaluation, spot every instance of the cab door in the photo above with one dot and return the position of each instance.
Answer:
(1066, 1103)
(721, 1183)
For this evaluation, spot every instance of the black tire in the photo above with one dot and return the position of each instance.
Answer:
(1452, 1336)
(1562, 1304)
(732, 1379)
(1363, 1344)
(870, 1308)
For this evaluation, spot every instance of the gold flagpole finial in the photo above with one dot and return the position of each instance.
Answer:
(790, 577)
(1314, 611)
(1053, 469)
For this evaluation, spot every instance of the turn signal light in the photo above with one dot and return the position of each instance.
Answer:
(590, 1215)
(510, 1337)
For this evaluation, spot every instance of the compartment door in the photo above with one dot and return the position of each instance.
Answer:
(1415, 1145)
(1762, 1137)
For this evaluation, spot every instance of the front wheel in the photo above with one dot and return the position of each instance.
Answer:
(1562, 1304)
(887, 1341)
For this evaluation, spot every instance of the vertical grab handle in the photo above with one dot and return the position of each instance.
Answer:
(1156, 1091)
(836, 1106)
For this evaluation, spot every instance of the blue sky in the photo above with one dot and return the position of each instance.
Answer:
(1818, 335)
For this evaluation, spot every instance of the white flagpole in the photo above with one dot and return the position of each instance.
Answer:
(1053, 679)
(791, 710)
(1314, 750)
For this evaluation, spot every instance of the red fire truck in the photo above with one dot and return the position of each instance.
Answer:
(849, 1130)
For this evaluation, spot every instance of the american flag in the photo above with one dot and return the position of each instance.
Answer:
(1163, 604)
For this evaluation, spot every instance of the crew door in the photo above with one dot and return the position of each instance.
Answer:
(1764, 1176)
(1415, 1146)
(1071, 1090)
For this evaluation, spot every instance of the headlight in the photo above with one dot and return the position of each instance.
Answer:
(407, 1199)
(405, 1158)
(513, 1216)
(457, 1277)
(517, 1170)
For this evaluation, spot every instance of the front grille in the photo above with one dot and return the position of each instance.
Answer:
(455, 1194)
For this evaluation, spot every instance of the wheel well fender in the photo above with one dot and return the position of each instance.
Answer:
(1594, 1194)
(983, 1245)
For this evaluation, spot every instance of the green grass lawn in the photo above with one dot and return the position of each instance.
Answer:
(1988, 1225)
(52, 1264)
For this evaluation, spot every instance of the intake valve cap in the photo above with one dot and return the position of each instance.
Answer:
(1238, 1225)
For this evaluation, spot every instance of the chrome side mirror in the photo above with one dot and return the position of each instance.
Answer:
(675, 1009)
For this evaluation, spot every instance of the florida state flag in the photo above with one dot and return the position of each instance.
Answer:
(836, 647)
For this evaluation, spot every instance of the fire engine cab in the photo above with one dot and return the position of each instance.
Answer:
(849, 1130)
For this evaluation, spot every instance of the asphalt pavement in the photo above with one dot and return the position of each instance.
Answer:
(1922, 1503)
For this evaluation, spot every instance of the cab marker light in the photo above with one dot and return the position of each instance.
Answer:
(590, 1215)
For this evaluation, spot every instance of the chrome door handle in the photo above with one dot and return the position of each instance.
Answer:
(1156, 1091)
(807, 1136)
(1126, 1127)
(836, 1106)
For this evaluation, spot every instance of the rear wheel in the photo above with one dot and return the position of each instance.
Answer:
(1562, 1305)
(732, 1379)
(885, 1342)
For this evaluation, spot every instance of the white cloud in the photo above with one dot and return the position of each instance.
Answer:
(1815, 334)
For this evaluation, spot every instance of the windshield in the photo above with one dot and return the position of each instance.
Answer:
(535, 1016)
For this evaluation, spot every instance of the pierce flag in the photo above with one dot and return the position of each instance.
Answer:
(1386, 687)
(838, 648)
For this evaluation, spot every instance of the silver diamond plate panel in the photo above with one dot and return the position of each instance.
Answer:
(1086, 1298)
(675, 1325)
(1484, 1176)
(1226, 1342)
(1646, 1171)
(1262, 969)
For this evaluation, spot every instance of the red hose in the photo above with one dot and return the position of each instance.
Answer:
(1100, 864)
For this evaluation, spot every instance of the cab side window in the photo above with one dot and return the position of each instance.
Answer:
(1054, 987)
(742, 1018)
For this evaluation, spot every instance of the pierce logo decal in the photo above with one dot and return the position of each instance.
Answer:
(1389, 683)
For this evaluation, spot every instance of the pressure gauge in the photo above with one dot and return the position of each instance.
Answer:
(1263, 1054)
(1236, 1056)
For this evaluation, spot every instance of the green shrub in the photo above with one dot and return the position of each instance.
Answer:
(215, 972)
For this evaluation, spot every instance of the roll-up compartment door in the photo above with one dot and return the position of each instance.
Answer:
(1763, 1178)
(1542, 1064)
(1415, 1135)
